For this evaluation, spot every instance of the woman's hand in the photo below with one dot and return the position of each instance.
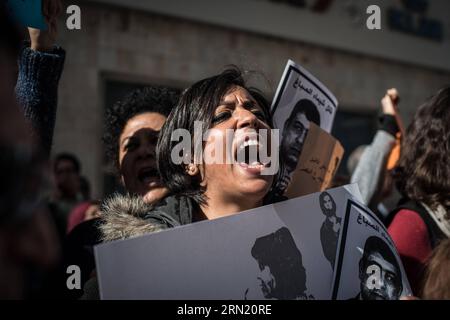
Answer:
(389, 102)
(43, 40)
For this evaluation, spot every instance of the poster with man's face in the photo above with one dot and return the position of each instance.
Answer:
(299, 100)
(368, 266)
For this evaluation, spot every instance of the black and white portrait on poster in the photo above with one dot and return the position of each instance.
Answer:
(299, 100)
(282, 276)
(329, 232)
(379, 272)
(369, 267)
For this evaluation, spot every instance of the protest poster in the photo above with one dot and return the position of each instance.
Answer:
(300, 99)
(27, 12)
(299, 92)
(317, 165)
(368, 266)
(282, 251)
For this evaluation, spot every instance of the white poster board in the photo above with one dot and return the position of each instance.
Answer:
(281, 251)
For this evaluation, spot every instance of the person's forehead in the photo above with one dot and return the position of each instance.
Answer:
(238, 95)
(378, 259)
(237, 92)
(152, 121)
(299, 116)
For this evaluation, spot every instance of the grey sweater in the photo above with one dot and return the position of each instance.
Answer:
(369, 172)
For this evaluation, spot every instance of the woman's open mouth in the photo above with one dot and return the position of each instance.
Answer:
(247, 153)
(150, 177)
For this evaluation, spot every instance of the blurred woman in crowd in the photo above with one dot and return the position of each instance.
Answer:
(132, 129)
(422, 219)
(131, 133)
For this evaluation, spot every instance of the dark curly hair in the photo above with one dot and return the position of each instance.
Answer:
(423, 171)
(149, 99)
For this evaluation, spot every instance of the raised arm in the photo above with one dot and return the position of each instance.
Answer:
(370, 171)
(40, 67)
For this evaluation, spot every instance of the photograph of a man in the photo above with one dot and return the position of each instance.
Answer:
(282, 274)
(329, 232)
(379, 272)
(294, 134)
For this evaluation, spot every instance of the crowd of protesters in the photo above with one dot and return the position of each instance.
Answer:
(48, 219)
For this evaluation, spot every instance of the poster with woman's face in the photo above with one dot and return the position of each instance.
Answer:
(368, 265)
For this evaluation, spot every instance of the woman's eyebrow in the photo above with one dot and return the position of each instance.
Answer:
(227, 103)
(246, 104)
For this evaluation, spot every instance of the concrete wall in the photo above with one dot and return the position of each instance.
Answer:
(144, 47)
(342, 25)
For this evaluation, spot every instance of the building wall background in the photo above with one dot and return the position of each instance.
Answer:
(142, 47)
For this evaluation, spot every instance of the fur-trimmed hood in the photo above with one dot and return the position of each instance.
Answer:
(125, 216)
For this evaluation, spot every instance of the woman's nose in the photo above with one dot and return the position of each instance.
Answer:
(246, 119)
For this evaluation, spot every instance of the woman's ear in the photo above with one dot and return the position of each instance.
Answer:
(192, 169)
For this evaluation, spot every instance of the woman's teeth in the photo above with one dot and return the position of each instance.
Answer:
(252, 142)
(247, 152)
(255, 165)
